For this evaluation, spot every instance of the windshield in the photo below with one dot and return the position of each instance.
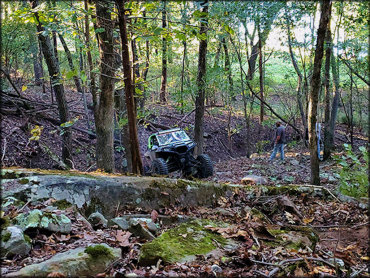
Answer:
(176, 136)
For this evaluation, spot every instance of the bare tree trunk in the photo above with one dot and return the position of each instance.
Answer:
(327, 147)
(104, 121)
(260, 67)
(137, 166)
(350, 122)
(201, 83)
(37, 62)
(91, 75)
(57, 84)
(228, 68)
(162, 96)
(315, 87)
(70, 63)
(145, 70)
(182, 79)
(300, 80)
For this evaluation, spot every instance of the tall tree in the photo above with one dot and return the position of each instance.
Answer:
(327, 148)
(314, 93)
(104, 121)
(137, 166)
(162, 95)
(201, 81)
(260, 68)
(57, 85)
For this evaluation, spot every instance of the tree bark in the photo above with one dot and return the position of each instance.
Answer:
(182, 79)
(137, 166)
(104, 121)
(260, 67)
(91, 75)
(201, 83)
(162, 96)
(228, 69)
(315, 87)
(145, 70)
(37, 62)
(57, 84)
(327, 148)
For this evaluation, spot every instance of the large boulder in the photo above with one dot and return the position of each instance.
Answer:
(44, 220)
(14, 242)
(79, 262)
(183, 243)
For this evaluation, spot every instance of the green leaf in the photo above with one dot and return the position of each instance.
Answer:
(99, 30)
(71, 74)
(24, 87)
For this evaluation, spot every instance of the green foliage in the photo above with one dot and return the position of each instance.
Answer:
(292, 144)
(260, 145)
(353, 176)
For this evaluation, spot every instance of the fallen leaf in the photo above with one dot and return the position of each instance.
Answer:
(154, 216)
(88, 236)
(122, 237)
(308, 220)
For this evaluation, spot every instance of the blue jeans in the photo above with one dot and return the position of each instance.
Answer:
(278, 148)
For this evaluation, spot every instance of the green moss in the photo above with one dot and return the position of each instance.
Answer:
(62, 204)
(27, 239)
(99, 251)
(5, 237)
(4, 222)
(181, 243)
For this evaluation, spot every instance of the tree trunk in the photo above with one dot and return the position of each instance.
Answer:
(300, 80)
(327, 135)
(260, 67)
(91, 75)
(37, 62)
(315, 87)
(201, 83)
(350, 122)
(104, 121)
(228, 69)
(146, 69)
(162, 96)
(182, 79)
(57, 84)
(70, 63)
(129, 91)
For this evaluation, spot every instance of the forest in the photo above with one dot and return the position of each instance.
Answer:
(138, 138)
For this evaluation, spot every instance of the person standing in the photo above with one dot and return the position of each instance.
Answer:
(279, 141)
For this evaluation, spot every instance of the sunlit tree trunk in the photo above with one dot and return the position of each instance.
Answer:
(314, 93)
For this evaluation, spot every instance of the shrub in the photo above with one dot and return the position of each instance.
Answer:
(353, 179)
(260, 145)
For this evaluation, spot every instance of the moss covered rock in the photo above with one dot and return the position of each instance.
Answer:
(14, 242)
(44, 220)
(183, 243)
(80, 262)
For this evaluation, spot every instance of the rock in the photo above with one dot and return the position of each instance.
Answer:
(253, 179)
(44, 220)
(183, 243)
(79, 262)
(10, 201)
(152, 227)
(121, 222)
(216, 268)
(137, 229)
(97, 220)
(14, 242)
(294, 162)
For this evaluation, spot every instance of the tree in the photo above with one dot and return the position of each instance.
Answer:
(137, 166)
(57, 84)
(314, 93)
(201, 82)
(104, 109)
(164, 57)
(327, 147)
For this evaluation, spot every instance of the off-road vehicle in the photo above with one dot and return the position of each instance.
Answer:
(172, 150)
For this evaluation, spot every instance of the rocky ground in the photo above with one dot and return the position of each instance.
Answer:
(269, 224)
(247, 230)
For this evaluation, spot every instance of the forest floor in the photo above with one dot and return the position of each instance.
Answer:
(342, 226)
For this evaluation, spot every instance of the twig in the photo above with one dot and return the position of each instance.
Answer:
(261, 273)
(354, 274)
(19, 210)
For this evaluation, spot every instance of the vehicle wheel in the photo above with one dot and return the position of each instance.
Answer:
(159, 167)
(205, 169)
